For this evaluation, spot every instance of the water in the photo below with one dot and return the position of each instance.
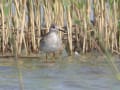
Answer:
(64, 74)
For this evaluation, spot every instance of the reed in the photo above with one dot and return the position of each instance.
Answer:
(2, 31)
(21, 25)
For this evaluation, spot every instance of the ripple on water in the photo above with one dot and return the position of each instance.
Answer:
(59, 76)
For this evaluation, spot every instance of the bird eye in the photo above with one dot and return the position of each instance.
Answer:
(53, 26)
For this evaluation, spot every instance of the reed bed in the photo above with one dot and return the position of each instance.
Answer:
(23, 22)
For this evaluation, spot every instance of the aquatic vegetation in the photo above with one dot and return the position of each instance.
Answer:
(89, 25)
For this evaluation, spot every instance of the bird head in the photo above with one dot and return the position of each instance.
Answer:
(55, 28)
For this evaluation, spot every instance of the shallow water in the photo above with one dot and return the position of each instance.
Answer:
(64, 74)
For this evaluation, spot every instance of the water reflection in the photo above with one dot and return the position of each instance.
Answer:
(62, 75)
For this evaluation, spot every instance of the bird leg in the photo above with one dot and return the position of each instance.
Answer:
(46, 57)
(54, 54)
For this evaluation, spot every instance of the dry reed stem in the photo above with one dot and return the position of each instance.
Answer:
(85, 31)
(38, 19)
(47, 13)
(22, 23)
(115, 22)
(32, 29)
(58, 14)
(3, 30)
(69, 25)
(105, 28)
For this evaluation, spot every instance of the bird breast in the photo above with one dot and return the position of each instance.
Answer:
(51, 43)
(54, 40)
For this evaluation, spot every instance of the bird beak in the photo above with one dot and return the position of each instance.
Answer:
(61, 29)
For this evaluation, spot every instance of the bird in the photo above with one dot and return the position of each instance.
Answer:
(51, 41)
